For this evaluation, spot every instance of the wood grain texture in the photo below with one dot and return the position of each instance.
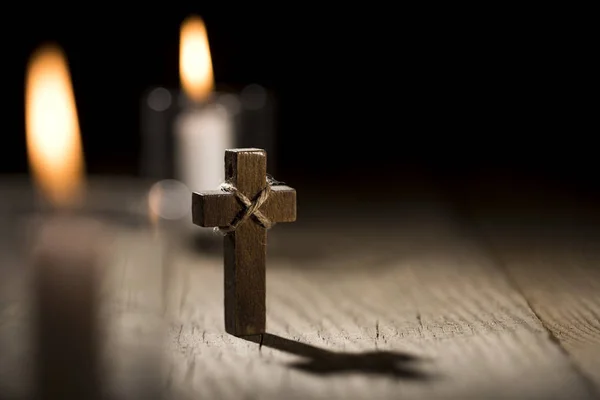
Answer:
(133, 316)
(411, 311)
(557, 269)
(548, 241)
(245, 247)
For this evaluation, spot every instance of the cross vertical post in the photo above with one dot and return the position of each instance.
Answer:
(245, 213)
(245, 250)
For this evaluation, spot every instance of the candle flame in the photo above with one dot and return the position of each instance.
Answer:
(53, 138)
(195, 63)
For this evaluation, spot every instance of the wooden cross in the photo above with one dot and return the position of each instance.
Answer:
(245, 209)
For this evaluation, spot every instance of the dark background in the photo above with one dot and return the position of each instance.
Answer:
(366, 93)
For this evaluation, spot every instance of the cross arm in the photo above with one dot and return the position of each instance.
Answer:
(218, 208)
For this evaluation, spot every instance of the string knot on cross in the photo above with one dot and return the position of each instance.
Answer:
(251, 208)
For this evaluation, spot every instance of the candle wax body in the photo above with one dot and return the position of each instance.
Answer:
(250, 122)
(202, 136)
(66, 254)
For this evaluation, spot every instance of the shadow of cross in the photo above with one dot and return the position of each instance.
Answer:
(399, 365)
(244, 209)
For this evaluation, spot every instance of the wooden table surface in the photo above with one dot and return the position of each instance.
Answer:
(422, 297)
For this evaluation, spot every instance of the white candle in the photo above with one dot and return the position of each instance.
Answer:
(204, 128)
(73, 244)
(65, 246)
(201, 137)
(66, 255)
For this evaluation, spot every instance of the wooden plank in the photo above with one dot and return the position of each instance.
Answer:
(131, 319)
(411, 283)
(133, 316)
(557, 268)
(546, 237)
(448, 322)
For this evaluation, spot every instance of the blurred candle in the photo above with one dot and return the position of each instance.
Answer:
(185, 131)
(65, 245)
(203, 130)
(66, 255)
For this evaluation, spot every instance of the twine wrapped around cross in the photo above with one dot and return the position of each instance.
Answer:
(252, 208)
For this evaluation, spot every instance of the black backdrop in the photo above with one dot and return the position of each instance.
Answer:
(378, 91)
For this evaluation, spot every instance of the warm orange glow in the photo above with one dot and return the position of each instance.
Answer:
(195, 63)
(154, 197)
(53, 139)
